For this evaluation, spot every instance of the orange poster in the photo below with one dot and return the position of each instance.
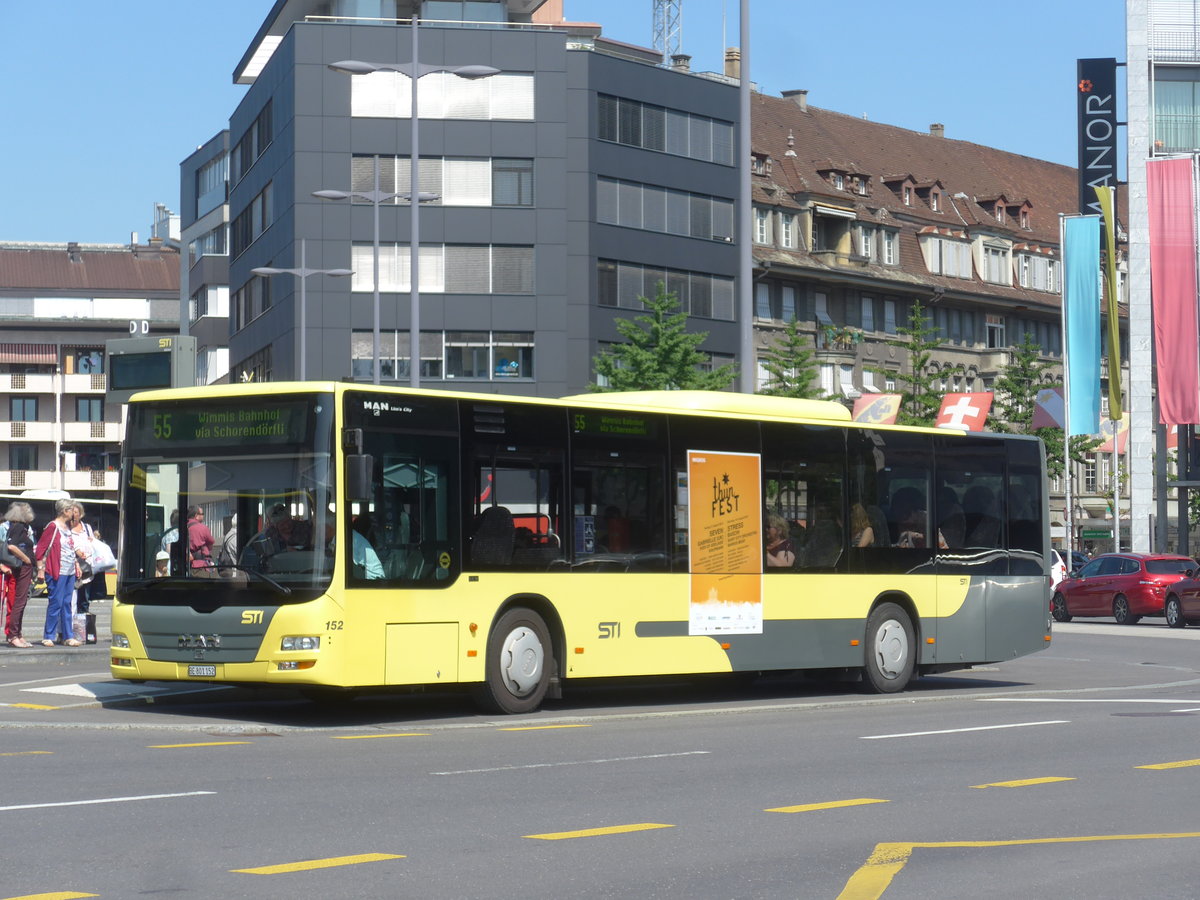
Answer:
(725, 542)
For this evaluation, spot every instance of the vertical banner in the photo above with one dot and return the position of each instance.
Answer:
(1107, 198)
(725, 542)
(1171, 199)
(1096, 108)
(1049, 409)
(1081, 302)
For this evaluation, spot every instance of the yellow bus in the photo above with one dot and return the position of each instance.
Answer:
(381, 537)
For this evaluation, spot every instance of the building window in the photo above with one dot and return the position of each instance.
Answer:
(995, 332)
(1025, 219)
(889, 247)
(787, 310)
(620, 284)
(935, 201)
(249, 302)
(211, 244)
(998, 269)
(821, 312)
(1090, 474)
(251, 145)
(762, 300)
(837, 180)
(446, 268)
(787, 231)
(762, 226)
(23, 409)
(889, 316)
(652, 208)
(23, 457)
(907, 196)
(665, 130)
(866, 241)
(212, 184)
(946, 257)
(889, 383)
(473, 355)
(387, 95)
(252, 221)
(512, 182)
(89, 409)
(868, 313)
(457, 181)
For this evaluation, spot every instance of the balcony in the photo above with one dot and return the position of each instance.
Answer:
(95, 383)
(95, 480)
(27, 384)
(27, 431)
(91, 432)
(20, 480)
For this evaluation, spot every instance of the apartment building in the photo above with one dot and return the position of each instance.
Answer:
(855, 221)
(526, 261)
(59, 303)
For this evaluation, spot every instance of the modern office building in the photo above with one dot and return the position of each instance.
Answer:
(59, 304)
(566, 184)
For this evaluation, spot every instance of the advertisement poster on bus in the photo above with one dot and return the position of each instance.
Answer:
(725, 542)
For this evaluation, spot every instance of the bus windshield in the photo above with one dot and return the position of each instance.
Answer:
(249, 494)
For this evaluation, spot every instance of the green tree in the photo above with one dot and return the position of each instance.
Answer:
(659, 353)
(791, 368)
(1016, 401)
(921, 392)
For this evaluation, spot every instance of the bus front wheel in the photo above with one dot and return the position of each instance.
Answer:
(518, 665)
(890, 650)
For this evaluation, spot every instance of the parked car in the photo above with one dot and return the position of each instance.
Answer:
(1125, 586)
(1058, 569)
(1183, 602)
(1079, 559)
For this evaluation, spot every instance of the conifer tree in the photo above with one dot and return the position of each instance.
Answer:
(921, 393)
(791, 368)
(659, 352)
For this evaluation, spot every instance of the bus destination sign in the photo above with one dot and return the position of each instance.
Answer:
(612, 424)
(284, 423)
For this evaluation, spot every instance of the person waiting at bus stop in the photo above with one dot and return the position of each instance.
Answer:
(55, 554)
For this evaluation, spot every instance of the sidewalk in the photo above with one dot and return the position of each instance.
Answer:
(31, 627)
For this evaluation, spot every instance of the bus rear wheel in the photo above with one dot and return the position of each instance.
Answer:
(890, 650)
(519, 663)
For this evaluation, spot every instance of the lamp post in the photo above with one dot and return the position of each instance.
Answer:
(302, 273)
(414, 70)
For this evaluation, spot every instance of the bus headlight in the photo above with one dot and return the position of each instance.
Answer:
(119, 640)
(305, 642)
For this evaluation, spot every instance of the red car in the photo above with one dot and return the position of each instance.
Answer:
(1183, 603)
(1125, 586)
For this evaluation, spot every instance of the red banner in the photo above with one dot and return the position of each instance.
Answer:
(1171, 199)
(877, 409)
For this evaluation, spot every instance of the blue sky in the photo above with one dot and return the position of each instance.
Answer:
(101, 101)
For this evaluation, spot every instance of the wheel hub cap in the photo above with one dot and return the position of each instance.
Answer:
(891, 649)
(522, 661)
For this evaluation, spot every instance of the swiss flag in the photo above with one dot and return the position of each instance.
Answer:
(969, 411)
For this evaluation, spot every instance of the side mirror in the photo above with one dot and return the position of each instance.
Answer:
(360, 471)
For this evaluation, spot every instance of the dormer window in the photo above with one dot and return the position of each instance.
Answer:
(1000, 213)
(907, 196)
(859, 183)
(935, 201)
(837, 180)
(758, 164)
(1025, 218)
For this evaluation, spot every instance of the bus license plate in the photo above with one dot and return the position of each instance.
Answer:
(202, 671)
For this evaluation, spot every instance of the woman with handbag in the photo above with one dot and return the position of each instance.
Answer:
(83, 539)
(18, 542)
(56, 559)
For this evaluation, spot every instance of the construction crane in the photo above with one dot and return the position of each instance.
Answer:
(667, 28)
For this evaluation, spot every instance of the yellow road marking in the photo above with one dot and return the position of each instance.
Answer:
(29, 753)
(205, 744)
(367, 737)
(596, 832)
(1026, 782)
(544, 727)
(833, 804)
(1182, 764)
(874, 876)
(35, 706)
(57, 895)
(329, 863)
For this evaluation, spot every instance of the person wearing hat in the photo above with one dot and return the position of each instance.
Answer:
(162, 564)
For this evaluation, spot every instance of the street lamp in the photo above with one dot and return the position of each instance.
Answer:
(302, 273)
(414, 70)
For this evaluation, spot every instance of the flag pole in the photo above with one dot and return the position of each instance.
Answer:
(1068, 470)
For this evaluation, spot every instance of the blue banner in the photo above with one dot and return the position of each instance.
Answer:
(1081, 302)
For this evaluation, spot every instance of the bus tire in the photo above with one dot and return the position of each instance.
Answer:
(520, 661)
(891, 649)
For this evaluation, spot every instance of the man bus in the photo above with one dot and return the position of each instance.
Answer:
(519, 544)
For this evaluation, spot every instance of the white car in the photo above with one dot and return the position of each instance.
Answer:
(1058, 569)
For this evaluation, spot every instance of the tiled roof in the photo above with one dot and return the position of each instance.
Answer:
(970, 178)
(89, 269)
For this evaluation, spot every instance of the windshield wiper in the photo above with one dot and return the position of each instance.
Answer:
(282, 588)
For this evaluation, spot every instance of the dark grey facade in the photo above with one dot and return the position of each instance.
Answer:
(313, 140)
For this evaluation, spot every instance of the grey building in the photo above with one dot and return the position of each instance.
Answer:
(567, 185)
